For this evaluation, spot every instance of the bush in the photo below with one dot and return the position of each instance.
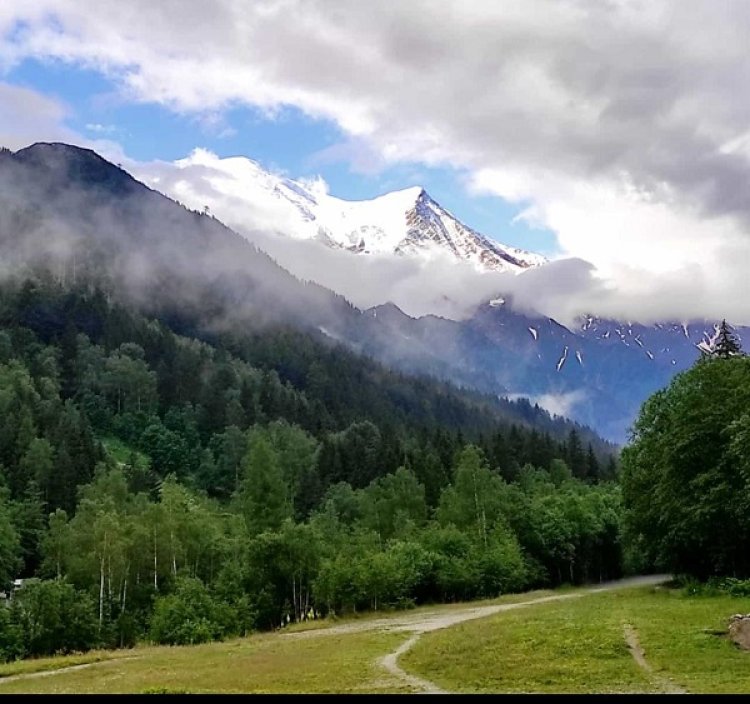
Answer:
(732, 586)
(412, 569)
(190, 615)
(499, 564)
(248, 610)
(54, 617)
(454, 575)
(11, 637)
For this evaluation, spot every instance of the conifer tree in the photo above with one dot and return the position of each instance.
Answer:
(727, 344)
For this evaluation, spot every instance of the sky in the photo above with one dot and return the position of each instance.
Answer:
(611, 135)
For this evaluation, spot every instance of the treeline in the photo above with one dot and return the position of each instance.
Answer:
(77, 367)
(176, 566)
(111, 423)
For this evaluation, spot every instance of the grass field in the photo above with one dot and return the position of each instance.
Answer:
(578, 646)
(272, 662)
(575, 646)
(263, 663)
(32, 665)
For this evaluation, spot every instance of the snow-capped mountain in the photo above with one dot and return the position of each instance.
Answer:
(598, 371)
(163, 258)
(669, 343)
(407, 222)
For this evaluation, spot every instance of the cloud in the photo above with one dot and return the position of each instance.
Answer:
(557, 404)
(620, 125)
(27, 116)
(239, 192)
(233, 188)
(358, 153)
(101, 129)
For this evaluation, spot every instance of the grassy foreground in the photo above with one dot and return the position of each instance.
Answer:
(266, 663)
(578, 646)
(312, 661)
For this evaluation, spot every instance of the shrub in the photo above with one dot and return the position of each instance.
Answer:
(499, 564)
(732, 586)
(54, 617)
(11, 637)
(190, 615)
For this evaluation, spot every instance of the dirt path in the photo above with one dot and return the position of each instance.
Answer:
(665, 684)
(390, 663)
(414, 623)
(62, 670)
(427, 621)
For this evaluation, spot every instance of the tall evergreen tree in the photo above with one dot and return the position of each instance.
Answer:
(574, 454)
(593, 470)
(726, 344)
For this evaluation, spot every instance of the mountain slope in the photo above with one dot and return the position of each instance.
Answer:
(73, 212)
(68, 211)
(598, 372)
(406, 222)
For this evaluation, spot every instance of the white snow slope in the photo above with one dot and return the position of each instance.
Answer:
(407, 222)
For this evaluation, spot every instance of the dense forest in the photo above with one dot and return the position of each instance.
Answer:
(686, 473)
(156, 485)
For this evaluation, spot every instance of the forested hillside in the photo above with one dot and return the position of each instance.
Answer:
(178, 489)
(67, 211)
(686, 472)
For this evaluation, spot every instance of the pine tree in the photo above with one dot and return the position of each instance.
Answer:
(593, 470)
(574, 454)
(727, 344)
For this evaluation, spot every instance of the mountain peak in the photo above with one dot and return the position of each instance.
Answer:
(407, 222)
(412, 194)
(404, 197)
(388, 311)
(73, 164)
(410, 222)
(50, 153)
(55, 147)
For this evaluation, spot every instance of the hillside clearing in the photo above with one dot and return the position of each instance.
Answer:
(344, 657)
(579, 646)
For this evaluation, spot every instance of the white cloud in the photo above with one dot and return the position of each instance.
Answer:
(98, 128)
(620, 125)
(240, 193)
(236, 192)
(26, 116)
(557, 404)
